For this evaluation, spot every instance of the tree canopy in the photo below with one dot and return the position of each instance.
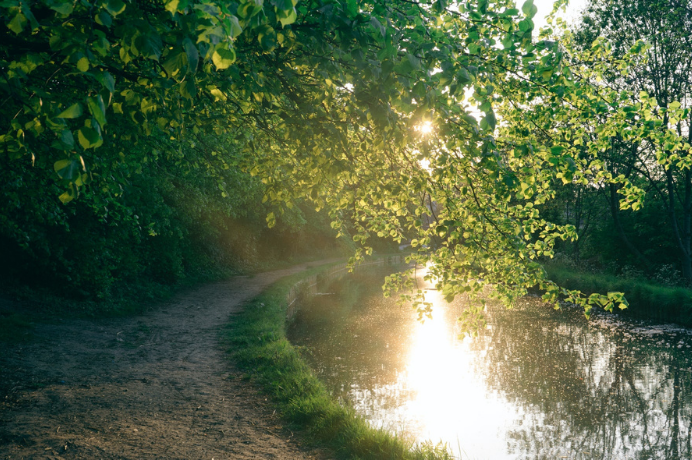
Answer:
(326, 100)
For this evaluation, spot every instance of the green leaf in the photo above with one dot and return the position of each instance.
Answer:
(413, 60)
(377, 25)
(115, 7)
(172, 6)
(83, 64)
(282, 5)
(235, 28)
(547, 73)
(223, 58)
(192, 55)
(148, 106)
(107, 80)
(491, 120)
(104, 19)
(67, 169)
(287, 18)
(97, 109)
(89, 137)
(271, 220)
(249, 9)
(463, 76)
(149, 45)
(352, 8)
(174, 63)
(67, 138)
(526, 25)
(29, 15)
(508, 41)
(218, 94)
(68, 196)
(529, 9)
(17, 23)
(267, 38)
(188, 89)
(73, 111)
(63, 7)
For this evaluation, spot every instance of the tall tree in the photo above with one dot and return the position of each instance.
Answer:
(664, 78)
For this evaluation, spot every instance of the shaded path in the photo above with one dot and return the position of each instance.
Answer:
(156, 385)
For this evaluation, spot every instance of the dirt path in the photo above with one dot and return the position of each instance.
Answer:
(153, 386)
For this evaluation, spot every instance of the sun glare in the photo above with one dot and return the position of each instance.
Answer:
(425, 128)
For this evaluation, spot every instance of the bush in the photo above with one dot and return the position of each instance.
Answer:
(668, 275)
(646, 299)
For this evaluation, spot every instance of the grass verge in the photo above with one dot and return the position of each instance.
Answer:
(646, 300)
(258, 345)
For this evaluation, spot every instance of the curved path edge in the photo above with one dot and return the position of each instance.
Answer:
(156, 385)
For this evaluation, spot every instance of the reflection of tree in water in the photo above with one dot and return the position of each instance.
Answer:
(596, 387)
(588, 387)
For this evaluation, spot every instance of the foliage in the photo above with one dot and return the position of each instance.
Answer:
(668, 275)
(321, 99)
(646, 299)
(656, 236)
(83, 114)
(259, 346)
(645, 229)
(660, 79)
(170, 224)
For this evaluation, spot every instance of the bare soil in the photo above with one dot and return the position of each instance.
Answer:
(158, 385)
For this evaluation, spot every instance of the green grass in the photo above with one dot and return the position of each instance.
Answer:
(646, 300)
(258, 345)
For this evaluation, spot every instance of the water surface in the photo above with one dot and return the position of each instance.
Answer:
(536, 383)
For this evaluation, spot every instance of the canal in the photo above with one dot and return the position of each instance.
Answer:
(535, 383)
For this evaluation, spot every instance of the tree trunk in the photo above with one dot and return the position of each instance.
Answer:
(682, 238)
(687, 227)
(614, 211)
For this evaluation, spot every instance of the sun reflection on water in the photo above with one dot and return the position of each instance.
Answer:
(438, 365)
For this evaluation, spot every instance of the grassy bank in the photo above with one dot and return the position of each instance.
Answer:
(257, 343)
(646, 300)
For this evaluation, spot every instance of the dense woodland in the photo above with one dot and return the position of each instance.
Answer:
(183, 139)
(167, 222)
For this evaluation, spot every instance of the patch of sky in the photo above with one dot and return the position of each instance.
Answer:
(571, 14)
